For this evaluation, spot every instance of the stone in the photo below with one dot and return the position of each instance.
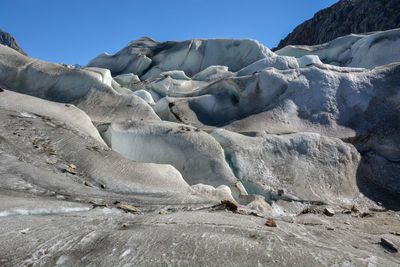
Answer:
(387, 243)
(128, 208)
(72, 166)
(71, 171)
(230, 205)
(355, 208)
(365, 214)
(270, 223)
(253, 235)
(329, 212)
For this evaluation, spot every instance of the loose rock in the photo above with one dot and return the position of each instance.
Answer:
(270, 222)
(229, 205)
(73, 166)
(355, 208)
(365, 214)
(329, 212)
(389, 244)
(71, 171)
(127, 208)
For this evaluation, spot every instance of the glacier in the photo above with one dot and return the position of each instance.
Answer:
(169, 153)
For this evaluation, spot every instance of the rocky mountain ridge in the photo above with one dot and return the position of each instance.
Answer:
(8, 40)
(345, 17)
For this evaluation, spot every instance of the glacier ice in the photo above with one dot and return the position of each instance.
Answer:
(194, 153)
(174, 128)
(277, 62)
(191, 56)
(175, 74)
(145, 95)
(90, 90)
(355, 50)
(212, 73)
(310, 167)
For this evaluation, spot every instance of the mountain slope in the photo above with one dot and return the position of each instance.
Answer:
(344, 17)
(8, 40)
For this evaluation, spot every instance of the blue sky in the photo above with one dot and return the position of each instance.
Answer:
(75, 31)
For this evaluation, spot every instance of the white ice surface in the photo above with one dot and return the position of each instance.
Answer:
(194, 153)
(213, 73)
(355, 50)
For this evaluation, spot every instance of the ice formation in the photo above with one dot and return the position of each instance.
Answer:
(162, 129)
(355, 50)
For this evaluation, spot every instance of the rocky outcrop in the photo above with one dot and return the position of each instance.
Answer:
(8, 40)
(345, 17)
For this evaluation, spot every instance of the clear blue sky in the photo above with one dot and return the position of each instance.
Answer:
(75, 31)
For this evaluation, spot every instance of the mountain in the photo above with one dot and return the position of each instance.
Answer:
(8, 40)
(345, 17)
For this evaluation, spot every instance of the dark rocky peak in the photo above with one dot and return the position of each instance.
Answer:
(8, 40)
(345, 17)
